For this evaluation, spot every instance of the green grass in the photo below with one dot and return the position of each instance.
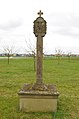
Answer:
(64, 75)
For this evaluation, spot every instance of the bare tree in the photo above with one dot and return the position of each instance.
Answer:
(69, 56)
(32, 51)
(58, 54)
(9, 51)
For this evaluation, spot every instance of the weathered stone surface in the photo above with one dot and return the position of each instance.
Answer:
(32, 100)
(39, 87)
(38, 101)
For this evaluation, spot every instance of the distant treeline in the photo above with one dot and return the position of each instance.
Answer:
(45, 55)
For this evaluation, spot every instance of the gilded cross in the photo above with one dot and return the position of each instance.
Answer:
(40, 13)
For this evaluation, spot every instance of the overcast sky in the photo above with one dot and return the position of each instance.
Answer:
(62, 16)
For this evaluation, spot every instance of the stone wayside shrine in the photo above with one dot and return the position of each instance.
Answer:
(39, 97)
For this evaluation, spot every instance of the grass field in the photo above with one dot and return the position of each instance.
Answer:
(64, 75)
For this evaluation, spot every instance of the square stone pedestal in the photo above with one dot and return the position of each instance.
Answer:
(38, 101)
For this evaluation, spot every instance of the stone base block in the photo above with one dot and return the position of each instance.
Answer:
(38, 102)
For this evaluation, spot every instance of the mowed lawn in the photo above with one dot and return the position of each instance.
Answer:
(65, 75)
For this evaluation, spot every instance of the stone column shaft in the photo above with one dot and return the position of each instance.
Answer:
(39, 76)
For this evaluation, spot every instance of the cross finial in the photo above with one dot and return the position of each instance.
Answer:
(40, 13)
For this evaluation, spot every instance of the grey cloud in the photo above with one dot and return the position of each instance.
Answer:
(12, 24)
(65, 24)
